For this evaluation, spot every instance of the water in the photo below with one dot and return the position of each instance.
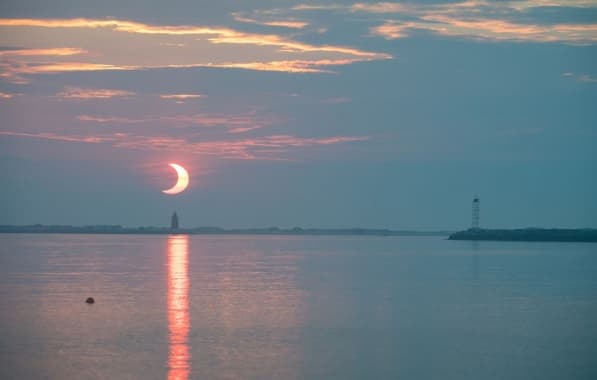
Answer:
(248, 307)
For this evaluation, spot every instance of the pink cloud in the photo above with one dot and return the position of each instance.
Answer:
(57, 137)
(262, 148)
(238, 123)
(92, 93)
(244, 129)
(182, 96)
(5, 95)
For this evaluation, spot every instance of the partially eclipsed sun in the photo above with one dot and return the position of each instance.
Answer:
(182, 181)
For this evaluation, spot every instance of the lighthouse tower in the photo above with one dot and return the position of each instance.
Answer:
(174, 222)
(475, 222)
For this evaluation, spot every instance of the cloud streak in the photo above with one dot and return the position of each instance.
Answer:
(6, 95)
(475, 19)
(92, 93)
(584, 78)
(182, 96)
(489, 29)
(291, 24)
(40, 52)
(587, 79)
(70, 45)
(263, 148)
(57, 137)
(248, 121)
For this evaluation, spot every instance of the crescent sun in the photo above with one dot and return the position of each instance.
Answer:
(181, 183)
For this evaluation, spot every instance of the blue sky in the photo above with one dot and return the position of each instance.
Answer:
(290, 113)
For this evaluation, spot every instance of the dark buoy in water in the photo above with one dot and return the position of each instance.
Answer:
(90, 300)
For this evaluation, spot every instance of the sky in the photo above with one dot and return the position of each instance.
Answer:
(299, 113)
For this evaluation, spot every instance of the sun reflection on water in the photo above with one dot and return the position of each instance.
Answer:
(179, 322)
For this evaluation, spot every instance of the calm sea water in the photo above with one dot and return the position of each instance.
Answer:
(246, 307)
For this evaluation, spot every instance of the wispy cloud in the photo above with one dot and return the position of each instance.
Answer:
(496, 29)
(262, 148)
(585, 78)
(182, 96)
(318, 7)
(110, 119)
(382, 7)
(244, 129)
(293, 66)
(94, 45)
(391, 30)
(6, 95)
(41, 52)
(15, 71)
(529, 4)
(462, 7)
(92, 93)
(291, 24)
(476, 19)
(236, 123)
(489, 29)
(58, 137)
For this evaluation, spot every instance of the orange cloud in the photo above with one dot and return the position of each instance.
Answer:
(105, 45)
(391, 30)
(70, 66)
(296, 66)
(41, 52)
(118, 25)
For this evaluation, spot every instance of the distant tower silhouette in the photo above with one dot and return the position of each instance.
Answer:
(174, 222)
(475, 224)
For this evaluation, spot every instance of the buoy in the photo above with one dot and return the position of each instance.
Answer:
(90, 300)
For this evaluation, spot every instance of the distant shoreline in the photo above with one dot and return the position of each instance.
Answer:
(588, 235)
(119, 230)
